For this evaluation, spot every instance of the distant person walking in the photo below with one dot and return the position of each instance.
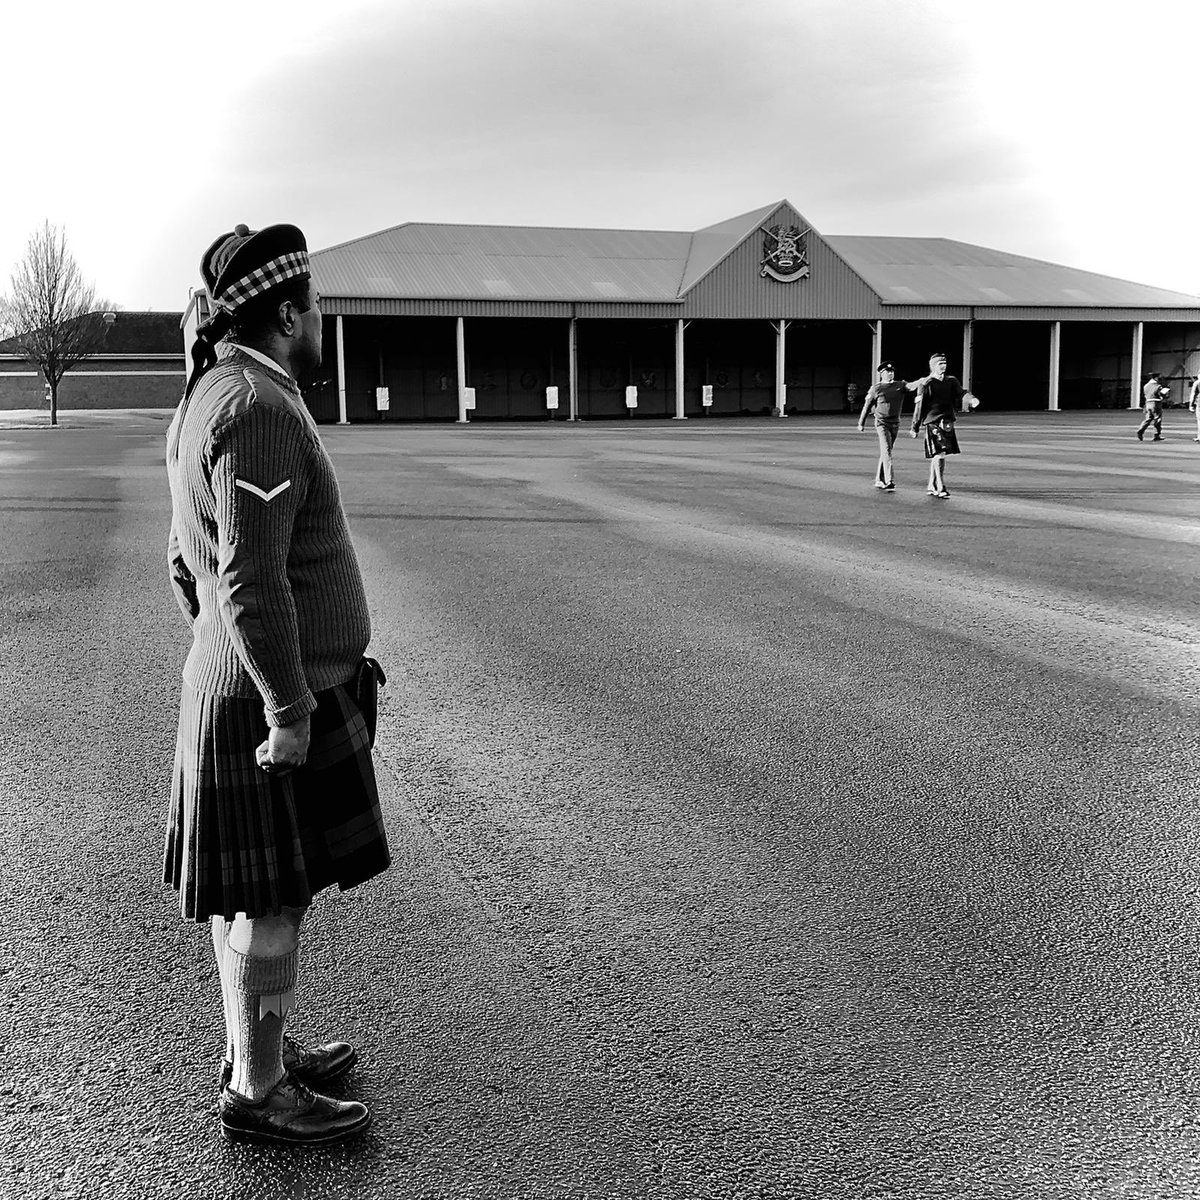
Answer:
(1153, 395)
(1194, 405)
(938, 398)
(273, 795)
(886, 398)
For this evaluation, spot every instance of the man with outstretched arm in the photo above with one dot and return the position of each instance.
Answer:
(938, 399)
(886, 398)
(273, 794)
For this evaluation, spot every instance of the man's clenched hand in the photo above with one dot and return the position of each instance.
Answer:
(285, 749)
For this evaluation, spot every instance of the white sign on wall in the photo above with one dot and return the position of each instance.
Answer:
(706, 395)
(552, 397)
(468, 399)
(382, 402)
(631, 397)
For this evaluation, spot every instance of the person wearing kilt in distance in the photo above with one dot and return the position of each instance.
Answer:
(938, 399)
(273, 794)
(886, 397)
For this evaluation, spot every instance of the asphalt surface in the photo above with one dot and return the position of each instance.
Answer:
(756, 834)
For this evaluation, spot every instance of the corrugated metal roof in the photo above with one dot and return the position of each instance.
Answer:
(504, 261)
(906, 270)
(518, 264)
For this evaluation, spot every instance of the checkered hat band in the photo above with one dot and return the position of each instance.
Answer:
(286, 266)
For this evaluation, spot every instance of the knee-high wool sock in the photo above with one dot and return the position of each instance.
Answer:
(261, 993)
(220, 937)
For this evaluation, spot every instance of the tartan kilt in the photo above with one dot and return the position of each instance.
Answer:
(241, 840)
(940, 438)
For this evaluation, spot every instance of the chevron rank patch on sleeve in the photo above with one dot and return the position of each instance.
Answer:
(265, 497)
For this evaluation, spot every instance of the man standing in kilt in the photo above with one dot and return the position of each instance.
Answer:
(938, 396)
(273, 795)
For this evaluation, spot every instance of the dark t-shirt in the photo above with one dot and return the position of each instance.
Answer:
(888, 398)
(940, 399)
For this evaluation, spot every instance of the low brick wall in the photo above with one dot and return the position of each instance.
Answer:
(129, 385)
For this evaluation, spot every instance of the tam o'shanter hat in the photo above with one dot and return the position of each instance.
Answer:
(237, 267)
(247, 262)
(886, 366)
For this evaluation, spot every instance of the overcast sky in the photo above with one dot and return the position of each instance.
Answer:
(1062, 130)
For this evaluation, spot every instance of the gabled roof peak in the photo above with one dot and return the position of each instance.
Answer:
(714, 243)
(750, 218)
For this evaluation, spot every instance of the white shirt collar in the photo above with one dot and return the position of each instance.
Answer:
(262, 358)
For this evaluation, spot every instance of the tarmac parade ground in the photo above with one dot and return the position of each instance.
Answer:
(756, 834)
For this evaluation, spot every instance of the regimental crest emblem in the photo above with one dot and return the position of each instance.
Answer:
(785, 253)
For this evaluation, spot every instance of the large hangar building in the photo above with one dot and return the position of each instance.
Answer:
(759, 314)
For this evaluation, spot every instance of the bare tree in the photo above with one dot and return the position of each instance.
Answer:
(50, 317)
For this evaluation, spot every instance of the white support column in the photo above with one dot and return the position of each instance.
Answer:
(1055, 363)
(1135, 382)
(461, 349)
(573, 370)
(968, 346)
(341, 370)
(876, 348)
(680, 415)
(781, 369)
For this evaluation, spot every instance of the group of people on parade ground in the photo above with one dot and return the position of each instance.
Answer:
(939, 397)
(273, 792)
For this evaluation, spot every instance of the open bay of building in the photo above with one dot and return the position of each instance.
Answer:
(756, 834)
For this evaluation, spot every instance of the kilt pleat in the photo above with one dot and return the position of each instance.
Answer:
(240, 840)
(940, 438)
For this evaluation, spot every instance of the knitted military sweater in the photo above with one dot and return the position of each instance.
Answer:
(937, 400)
(260, 555)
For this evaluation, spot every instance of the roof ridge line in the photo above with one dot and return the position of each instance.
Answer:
(478, 225)
(363, 237)
(687, 258)
(766, 208)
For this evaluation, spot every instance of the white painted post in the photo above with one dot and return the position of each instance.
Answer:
(781, 369)
(876, 348)
(341, 370)
(968, 345)
(680, 415)
(573, 371)
(1135, 383)
(461, 349)
(1055, 362)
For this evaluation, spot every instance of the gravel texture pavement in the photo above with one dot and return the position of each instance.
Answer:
(757, 835)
